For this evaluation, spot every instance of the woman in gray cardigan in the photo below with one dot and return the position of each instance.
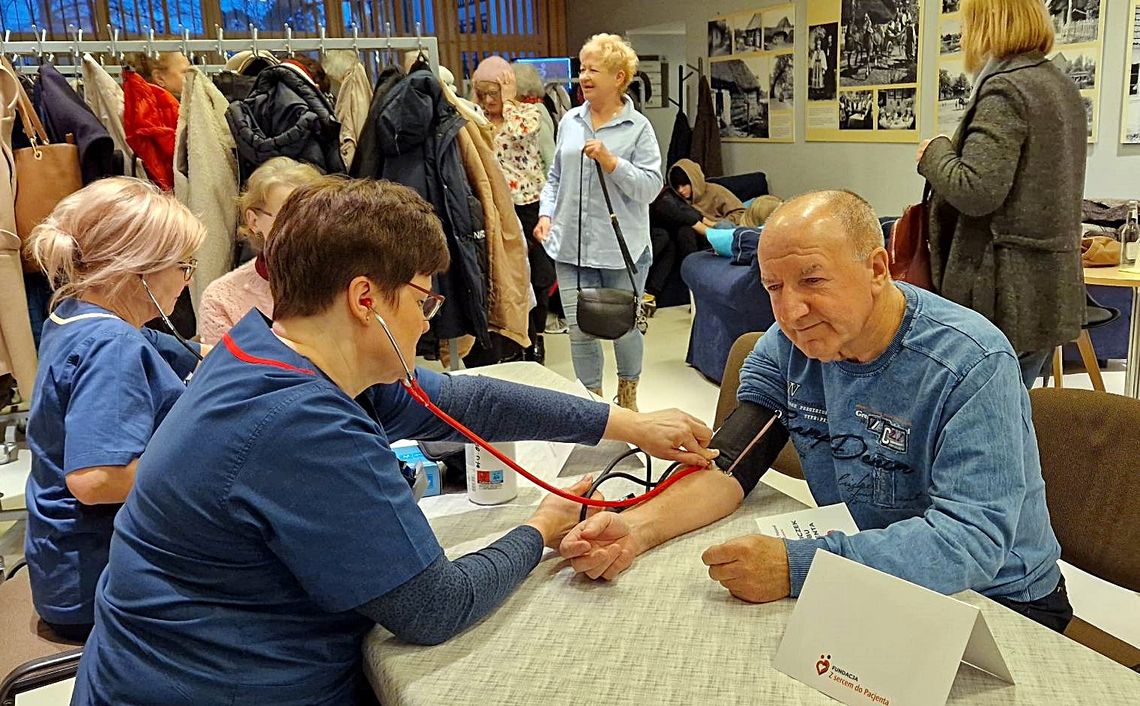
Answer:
(1006, 210)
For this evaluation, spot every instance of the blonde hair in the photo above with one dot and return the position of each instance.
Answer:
(614, 53)
(760, 210)
(279, 171)
(148, 65)
(528, 81)
(996, 29)
(108, 231)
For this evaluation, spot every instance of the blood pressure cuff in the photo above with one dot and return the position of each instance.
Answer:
(744, 454)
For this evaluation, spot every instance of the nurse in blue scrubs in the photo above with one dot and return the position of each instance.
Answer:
(103, 384)
(270, 526)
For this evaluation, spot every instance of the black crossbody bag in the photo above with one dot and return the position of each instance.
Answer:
(607, 312)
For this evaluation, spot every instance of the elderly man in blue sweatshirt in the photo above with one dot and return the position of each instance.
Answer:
(908, 408)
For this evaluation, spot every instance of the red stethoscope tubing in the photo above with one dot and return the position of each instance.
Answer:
(419, 395)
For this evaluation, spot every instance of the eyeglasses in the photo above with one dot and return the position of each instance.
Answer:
(432, 304)
(188, 268)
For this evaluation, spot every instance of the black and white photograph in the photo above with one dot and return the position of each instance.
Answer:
(1090, 113)
(1079, 65)
(880, 42)
(782, 94)
(896, 109)
(856, 110)
(779, 29)
(955, 87)
(823, 43)
(1130, 120)
(740, 97)
(1075, 21)
(950, 6)
(747, 33)
(950, 37)
(720, 38)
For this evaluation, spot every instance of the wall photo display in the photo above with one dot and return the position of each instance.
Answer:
(1130, 120)
(1079, 29)
(752, 74)
(864, 65)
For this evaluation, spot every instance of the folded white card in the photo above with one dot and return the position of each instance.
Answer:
(809, 524)
(865, 637)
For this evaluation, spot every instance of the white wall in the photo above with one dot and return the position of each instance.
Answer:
(670, 47)
(883, 173)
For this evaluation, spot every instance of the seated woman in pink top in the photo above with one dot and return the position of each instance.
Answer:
(229, 298)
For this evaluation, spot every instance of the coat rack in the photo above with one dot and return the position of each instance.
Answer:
(115, 49)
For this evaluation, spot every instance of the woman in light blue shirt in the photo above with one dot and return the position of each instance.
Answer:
(608, 130)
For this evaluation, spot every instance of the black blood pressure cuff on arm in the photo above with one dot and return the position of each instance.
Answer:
(746, 450)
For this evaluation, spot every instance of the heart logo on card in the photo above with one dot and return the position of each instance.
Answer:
(823, 664)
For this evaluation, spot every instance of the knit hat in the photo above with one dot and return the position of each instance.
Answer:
(490, 69)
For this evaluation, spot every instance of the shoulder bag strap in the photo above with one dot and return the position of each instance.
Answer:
(30, 121)
(630, 267)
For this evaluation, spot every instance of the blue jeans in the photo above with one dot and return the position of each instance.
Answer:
(585, 350)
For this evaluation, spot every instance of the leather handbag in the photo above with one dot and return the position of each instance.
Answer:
(608, 312)
(45, 173)
(910, 245)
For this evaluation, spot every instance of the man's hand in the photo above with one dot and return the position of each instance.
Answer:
(669, 434)
(597, 151)
(753, 568)
(600, 547)
(555, 515)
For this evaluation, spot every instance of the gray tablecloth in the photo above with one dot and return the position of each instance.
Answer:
(664, 633)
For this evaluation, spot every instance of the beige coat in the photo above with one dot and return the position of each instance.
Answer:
(206, 175)
(352, 102)
(104, 95)
(508, 304)
(17, 347)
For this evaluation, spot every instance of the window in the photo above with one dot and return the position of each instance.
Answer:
(135, 17)
(18, 16)
(272, 15)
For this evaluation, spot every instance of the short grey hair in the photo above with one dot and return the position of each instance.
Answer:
(854, 213)
(527, 81)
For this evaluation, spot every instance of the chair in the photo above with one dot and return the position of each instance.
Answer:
(788, 462)
(1092, 489)
(1097, 316)
(30, 655)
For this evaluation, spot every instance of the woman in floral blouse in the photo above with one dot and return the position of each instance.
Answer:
(517, 148)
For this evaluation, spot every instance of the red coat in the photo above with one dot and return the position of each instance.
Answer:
(150, 118)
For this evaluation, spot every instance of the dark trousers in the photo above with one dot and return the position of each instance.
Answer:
(1053, 611)
(542, 275)
(671, 219)
(1033, 366)
(71, 633)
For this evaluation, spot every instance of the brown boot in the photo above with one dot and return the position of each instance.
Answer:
(597, 392)
(627, 394)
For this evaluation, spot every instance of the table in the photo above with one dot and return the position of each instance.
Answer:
(1116, 277)
(664, 633)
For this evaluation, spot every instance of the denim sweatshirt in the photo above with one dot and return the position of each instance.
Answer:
(573, 182)
(932, 447)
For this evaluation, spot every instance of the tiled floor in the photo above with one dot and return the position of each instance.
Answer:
(668, 382)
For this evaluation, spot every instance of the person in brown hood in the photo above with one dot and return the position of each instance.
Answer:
(680, 218)
(715, 203)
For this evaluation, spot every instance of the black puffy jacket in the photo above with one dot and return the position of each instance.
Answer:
(416, 132)
(285, 115)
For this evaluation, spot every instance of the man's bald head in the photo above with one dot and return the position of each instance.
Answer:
(853, 216)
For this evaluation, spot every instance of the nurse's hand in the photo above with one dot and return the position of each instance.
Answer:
(669, 434)
(555, 516)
